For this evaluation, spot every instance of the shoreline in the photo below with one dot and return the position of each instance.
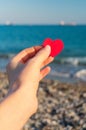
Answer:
(61, 105)
(63, 72)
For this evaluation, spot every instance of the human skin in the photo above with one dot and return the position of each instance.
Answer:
(24, 71)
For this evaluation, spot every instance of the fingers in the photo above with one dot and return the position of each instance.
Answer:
(47, 61)
(24, 55)
(41, 58)
(27, 53)
(31, 53)
(42, 55)
(44, 72)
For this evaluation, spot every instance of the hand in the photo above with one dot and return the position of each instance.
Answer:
(25, 71)
(26, 67)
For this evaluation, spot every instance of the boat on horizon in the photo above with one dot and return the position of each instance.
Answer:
(62, 23)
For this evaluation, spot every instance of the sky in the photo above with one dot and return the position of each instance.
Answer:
(42, 11)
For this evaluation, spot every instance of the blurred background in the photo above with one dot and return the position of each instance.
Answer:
(62, 94)
(25, 23)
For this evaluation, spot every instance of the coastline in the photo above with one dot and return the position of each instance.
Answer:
(64, 72)
(61, 105)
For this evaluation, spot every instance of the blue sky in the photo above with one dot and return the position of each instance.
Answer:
(42, 11)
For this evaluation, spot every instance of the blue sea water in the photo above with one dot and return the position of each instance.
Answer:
(15, 38)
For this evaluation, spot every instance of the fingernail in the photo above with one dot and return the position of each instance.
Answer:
(48, 48)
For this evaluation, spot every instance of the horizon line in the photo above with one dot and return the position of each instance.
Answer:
(34, 24)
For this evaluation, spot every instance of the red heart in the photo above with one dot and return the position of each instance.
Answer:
(56, 46)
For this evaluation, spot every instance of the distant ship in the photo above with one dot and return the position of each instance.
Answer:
(62, 23)
(8, 23)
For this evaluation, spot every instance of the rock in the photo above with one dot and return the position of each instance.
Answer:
(26, 127)
(61, 93)
(54, 122)
(84, 95)
(4, 91)
(84, 127)
(68, 128)
(53, 112)
(73, 115)
(81, 122)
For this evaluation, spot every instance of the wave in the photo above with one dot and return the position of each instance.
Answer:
(81, 74)
(6, 56)
(76, 61)
(64, 69)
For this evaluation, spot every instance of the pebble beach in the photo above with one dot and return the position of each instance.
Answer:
(62, 106)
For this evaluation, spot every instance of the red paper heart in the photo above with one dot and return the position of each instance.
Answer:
(56, 46)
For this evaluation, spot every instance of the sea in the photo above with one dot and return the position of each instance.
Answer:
(69, 66)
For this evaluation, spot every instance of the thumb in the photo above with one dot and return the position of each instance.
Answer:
(43, 54)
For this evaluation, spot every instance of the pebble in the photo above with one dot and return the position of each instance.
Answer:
(84, 127)
(84, 95)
